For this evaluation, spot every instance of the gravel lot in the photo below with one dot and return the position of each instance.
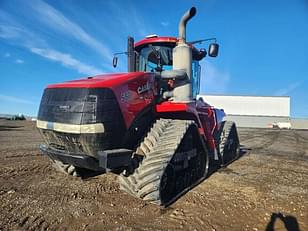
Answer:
(266, 188)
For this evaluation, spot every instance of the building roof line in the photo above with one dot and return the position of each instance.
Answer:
(245, 95)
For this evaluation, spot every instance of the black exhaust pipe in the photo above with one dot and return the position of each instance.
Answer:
(130, 54)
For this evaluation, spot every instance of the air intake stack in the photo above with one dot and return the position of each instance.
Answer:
(182, 59)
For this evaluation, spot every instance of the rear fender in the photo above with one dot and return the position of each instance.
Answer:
(173, 110)
(184, 111)
(188, 111)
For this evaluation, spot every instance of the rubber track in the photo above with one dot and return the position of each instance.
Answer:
(225, 138)
(158, 148)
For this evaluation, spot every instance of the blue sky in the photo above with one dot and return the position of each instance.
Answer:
(263, 44)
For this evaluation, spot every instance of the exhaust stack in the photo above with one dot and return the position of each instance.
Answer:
(130, 54)
(182, 59)
(182, 25)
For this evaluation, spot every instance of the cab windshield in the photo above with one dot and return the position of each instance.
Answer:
(154, 58)
(158, 57)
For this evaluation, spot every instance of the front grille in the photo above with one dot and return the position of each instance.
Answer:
(82, 106)
(77, 105)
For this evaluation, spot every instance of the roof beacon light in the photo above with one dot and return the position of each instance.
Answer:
(151, 36)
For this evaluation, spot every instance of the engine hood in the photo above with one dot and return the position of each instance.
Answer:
(99, 81)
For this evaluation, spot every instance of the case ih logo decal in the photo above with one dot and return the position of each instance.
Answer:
(126, 96)
(129, 95)
(144, 88)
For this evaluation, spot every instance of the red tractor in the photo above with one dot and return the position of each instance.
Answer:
(145, 125)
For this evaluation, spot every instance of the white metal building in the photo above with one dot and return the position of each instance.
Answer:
(252, 111)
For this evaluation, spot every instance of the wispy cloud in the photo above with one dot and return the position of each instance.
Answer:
(7, 55)
(142, 29)
(66, 60)
(19, 61)
(57, 21)
(17, 34)
(14, 99)
(213, 81)
(287, 89)
(165, 24)
(134, 23)
(21, 36)
(52, 20)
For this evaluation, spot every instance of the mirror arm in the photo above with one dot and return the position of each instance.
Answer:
(114, 63)
(203, 40)
(120, 53)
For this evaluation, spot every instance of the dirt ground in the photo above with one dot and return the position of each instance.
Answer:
(266, 189)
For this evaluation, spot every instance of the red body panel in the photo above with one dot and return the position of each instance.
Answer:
(99, 81)
(201, 112)
(170, 106)
(135, 95)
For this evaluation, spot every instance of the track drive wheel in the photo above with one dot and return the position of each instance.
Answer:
(174, 160)
(228, 143)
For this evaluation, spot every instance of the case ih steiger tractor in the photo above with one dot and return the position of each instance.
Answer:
(145, 125)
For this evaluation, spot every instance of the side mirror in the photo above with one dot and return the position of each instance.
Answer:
(115, 61)
(213, 49)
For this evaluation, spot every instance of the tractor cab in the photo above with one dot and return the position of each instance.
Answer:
(155, 54)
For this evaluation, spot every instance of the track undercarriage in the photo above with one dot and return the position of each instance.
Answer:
(171, 160)
(174, 159)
